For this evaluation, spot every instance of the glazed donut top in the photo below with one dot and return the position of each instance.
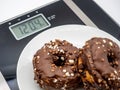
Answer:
(103, 58)
(56, 59)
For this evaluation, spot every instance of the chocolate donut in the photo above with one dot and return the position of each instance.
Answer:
(99, 64)
(55, 66)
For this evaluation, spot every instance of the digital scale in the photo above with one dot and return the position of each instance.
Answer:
(15, 33)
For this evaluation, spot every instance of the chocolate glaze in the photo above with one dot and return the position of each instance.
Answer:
(100, 64)
(55, 66)
(59, 65)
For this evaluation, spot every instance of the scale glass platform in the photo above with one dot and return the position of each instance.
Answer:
(16, 32)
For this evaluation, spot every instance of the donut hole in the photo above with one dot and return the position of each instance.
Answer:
(59, 61)
(111, 58)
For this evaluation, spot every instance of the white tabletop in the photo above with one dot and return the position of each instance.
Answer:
(12, 8)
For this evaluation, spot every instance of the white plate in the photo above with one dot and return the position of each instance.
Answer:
(76, 34)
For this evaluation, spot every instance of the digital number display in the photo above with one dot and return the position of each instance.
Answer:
(29, 26)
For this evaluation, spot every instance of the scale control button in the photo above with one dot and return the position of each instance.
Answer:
(9, 23)
(18, 19)
(28, 15)
(36, 12)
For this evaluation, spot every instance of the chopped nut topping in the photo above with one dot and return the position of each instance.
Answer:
(71, 61)
(72, 74)
(64, 70)
(75, 51)
(112, 75)
(80, 61)
(119, 71)
(44, 50)
(41, 81)
(52, 65)
(115, 72)
(98, 47)
(80, 70)
(118, 78)
(105, 50)
(104, 41)
(116, 62)
(52, 70)
(109, 79)
(37, 61)
(110, 43)
(96, 42)
(62, 58)
(48, 53)
(67, 74)
(38, 57)
(62, 51)
(99, 80)
(102, 59)
(89, 56)
(34, 69)
(88, 46)
(103, 45)
(55, 80)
